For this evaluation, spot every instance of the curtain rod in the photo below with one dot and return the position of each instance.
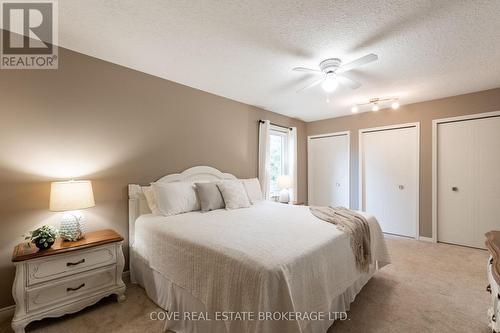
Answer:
(289, 128)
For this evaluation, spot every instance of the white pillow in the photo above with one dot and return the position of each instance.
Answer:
(234, 194)
(254, 192)
(150, 199)
(175, 198)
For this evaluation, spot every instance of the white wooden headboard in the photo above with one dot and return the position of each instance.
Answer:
(137, 205)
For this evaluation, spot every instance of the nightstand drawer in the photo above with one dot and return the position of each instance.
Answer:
(69, 288)
(50, 268)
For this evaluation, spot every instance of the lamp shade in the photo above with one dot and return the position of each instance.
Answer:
(71, 195)
(284, 182)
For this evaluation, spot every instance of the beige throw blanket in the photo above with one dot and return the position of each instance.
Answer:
(355, 225)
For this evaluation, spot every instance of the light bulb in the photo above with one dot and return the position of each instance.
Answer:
(375, 108)
(329, 84)
(395, 105)
(354, 109)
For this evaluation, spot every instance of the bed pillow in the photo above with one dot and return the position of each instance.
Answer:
(175, 198)
(252, 186)
(150, 199)
(210, 196)
(234, 194)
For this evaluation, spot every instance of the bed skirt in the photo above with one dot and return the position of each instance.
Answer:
(175, 299)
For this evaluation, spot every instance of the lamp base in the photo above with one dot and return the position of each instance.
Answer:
(72, 226)
(284, 196)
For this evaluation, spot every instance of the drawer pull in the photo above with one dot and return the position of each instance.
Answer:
(75, 289)
(488, 288)
(75, 263)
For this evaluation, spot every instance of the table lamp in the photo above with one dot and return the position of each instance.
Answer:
(70, 197)
(284, 183)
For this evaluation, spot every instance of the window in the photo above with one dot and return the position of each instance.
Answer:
(277, 157)
(278, 148)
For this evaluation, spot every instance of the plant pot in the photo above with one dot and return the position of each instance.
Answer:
(43, 245)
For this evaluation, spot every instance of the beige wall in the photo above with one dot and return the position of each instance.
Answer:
(95, 120)
(424, 113)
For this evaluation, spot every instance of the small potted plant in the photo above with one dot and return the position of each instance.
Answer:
(43, 237)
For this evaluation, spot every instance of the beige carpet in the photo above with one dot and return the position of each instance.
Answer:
(428, 288)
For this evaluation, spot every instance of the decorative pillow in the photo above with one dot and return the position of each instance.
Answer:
(150, 199)
(254, 192)
(175, 198)
(234, 194)
(210, 196)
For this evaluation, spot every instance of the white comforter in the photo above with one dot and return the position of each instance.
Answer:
(269, 257)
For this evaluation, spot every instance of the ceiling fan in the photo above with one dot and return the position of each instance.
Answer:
(331, 71)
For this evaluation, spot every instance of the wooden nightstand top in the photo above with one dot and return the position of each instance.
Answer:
(27, 250)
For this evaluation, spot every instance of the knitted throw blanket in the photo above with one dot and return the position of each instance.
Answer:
(355, 225)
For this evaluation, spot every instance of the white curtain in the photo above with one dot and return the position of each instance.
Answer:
(292, 162)
(264, 158)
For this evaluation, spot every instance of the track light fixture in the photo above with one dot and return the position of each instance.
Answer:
(377, 103)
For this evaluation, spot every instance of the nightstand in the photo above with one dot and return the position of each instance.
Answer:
(67, 277)
(493, 246)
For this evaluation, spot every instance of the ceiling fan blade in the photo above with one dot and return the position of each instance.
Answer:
(307, 70)
(358, 62)
(345, 81)
(314, 83)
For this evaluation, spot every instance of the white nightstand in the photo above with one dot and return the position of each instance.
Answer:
(67, 277)
(493, 269)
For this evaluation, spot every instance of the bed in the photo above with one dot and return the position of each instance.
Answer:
(235, 267)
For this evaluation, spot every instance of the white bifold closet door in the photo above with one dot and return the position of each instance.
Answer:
(468, 180)
(389, 178)
(328, 170)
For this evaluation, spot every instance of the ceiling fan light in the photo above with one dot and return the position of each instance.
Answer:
(375, 108)
(329, 84)
(395, 105)
(354, 109)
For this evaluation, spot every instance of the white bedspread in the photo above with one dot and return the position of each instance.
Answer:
(269, 257)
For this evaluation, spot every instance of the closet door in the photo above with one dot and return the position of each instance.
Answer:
(487, 195)
(328, 170)
(468, 179)
(389, 178)
(455, 183)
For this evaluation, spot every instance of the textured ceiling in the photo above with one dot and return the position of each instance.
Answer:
(245, 50)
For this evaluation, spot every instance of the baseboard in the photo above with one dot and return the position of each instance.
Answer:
(7, 311)
(426, 239)
(388, 235)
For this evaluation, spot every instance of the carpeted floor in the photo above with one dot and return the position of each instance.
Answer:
(428, 288)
